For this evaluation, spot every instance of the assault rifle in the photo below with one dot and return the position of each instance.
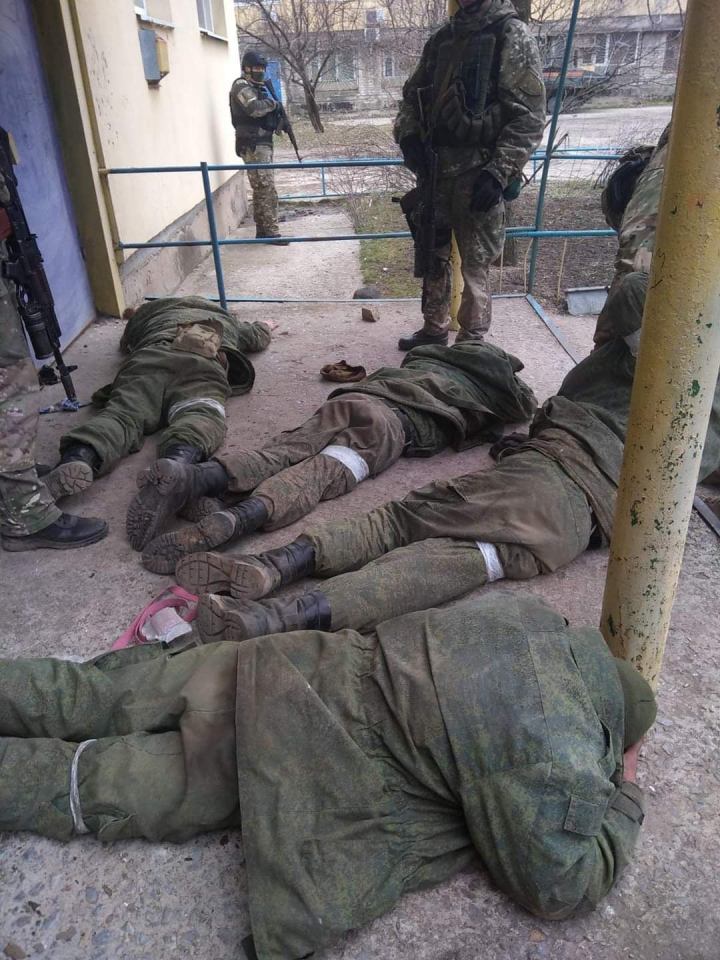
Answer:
(284, 126)
(426, 240)
(24, 267)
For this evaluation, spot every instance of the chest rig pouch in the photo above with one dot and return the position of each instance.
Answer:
(465, 84)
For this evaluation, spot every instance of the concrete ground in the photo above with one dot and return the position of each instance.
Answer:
(136, 901)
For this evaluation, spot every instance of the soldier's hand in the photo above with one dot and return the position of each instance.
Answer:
(413, 154)
(487, 191)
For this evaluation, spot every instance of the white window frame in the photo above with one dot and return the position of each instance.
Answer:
(205, 15)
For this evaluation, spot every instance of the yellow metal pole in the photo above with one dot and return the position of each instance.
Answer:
(677, 365)
(455, 261)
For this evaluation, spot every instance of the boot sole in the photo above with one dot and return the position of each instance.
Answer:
(68, 479)
(247, 582)
(21, 544)
(204, 573)
(163, 554)
(153, 504)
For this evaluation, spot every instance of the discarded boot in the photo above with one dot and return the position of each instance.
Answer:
(164, 489)
(420, 338)
(224, 618)
(66, 533)
(250, 577)
(343, 372)
(162, 554)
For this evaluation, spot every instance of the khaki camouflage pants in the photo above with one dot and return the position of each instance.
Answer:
(292, 475)
(623, 311)
(527, 507)
(157, 386)
(262, 182)
(480, 238)
(25, 502)
(161, 759)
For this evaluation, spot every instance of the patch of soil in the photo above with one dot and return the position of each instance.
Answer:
(562, 263)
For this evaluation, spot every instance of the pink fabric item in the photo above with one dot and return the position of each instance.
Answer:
(173, 596)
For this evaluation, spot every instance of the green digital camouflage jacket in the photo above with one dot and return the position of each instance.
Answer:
(472, 387)
(372, 766)
(157, 322)
(514, 116)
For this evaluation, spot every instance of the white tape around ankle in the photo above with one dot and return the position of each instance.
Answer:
(75, 810)
(492, 561)
(348, 458)
(633, 341)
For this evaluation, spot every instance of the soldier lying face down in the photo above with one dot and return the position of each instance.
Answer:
(440, 396)
(186, 356)
(359, 768)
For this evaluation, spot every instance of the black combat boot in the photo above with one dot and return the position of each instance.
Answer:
(162, 554)
(78, 467)
(420, 338)
(224, 618)
(275, 238)
(250, 577)
(185, 452)
(164, 489)
(66, 533)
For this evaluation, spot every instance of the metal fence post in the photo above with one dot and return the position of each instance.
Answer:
(540, 208)
(213, 234)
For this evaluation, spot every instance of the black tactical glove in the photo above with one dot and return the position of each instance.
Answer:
(487, 191)
(413, 154)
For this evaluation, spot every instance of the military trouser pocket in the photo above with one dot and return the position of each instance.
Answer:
(203, 339)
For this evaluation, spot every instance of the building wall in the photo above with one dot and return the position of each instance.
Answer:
(26, 111)
(182, 120)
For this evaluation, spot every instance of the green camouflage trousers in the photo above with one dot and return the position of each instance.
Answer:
(262, 182)
(136, 743)
(25, 502)
(293, 474)
(480, 238)
(157, 386)
(418, 552)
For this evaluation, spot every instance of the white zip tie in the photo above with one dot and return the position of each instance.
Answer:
(75, 810)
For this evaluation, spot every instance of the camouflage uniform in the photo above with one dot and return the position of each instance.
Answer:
(252, 109)
(186, 357)
(636, 237)
(25, 502)
(360, 768)
(502, 139)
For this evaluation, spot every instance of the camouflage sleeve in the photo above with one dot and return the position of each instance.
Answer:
(592, 866)
(521, 95)
(407, 123)
(254, 105)
(253, 337)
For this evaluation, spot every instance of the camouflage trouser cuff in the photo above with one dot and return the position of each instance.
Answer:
(26, 527)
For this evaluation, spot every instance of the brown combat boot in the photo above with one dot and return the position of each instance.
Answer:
(164, 489)
(224, 618)
(162, 554)
(247, 578)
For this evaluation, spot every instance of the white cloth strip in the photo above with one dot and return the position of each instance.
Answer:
(181, 405)
(348, 458)
(633, 341)
(492, 560)
(75, 810)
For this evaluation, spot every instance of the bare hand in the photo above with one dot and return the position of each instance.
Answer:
(630, 762)
(270, 324)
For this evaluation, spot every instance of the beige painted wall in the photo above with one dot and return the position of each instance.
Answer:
(558, 9)
(184, 120)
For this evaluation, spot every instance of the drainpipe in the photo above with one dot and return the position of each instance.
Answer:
(677, 365)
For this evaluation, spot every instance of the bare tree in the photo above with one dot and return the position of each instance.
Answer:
(307, 35)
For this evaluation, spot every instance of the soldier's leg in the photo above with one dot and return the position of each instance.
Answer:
(134, 409)
(480, 238)
(165, 785)
(194, 409)
(352, 436)
(265, 198)
(622, 313)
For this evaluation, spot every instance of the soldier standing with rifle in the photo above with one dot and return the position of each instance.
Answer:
(29, 517)
(257, 114)
(472, 113)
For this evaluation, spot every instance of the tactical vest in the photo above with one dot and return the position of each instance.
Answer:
(472, 56)
(249, 131)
